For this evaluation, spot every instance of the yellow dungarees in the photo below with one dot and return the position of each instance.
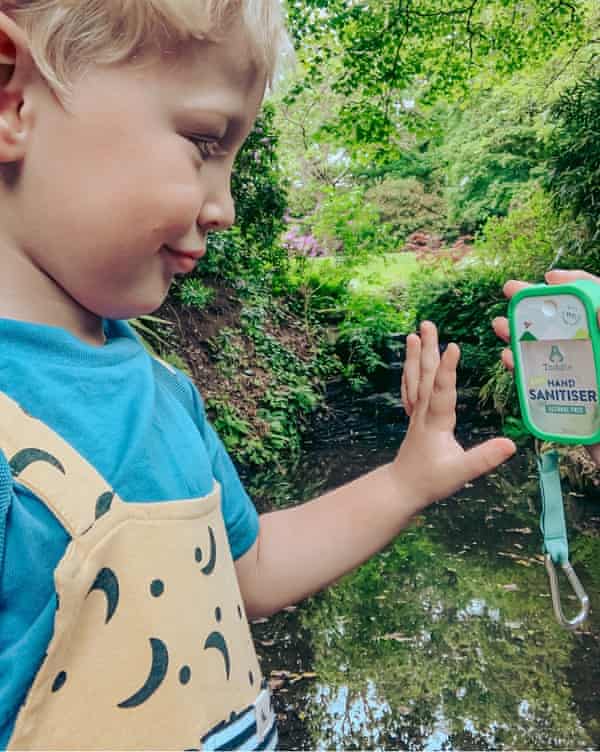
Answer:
(151, 647)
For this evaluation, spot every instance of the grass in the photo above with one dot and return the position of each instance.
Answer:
(383, 273)
(376, 276)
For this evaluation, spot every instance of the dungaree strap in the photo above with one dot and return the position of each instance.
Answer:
(50, 468)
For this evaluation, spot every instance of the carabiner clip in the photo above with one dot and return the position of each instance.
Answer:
(577, 588)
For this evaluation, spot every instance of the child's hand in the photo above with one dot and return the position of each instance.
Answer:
(500, 324)
(430, 460)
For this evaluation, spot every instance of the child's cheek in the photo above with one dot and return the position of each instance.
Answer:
(174, 211)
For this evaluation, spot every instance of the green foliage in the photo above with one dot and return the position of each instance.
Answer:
(145, 327)
(574, 149)
(585, 550)
(526, 243)
(287, 387)
(367, 323)
(251, 249)
(233, 429)
(405, 206)
(193, 292)
(363, 302)
(383, 50)
(346, 223)
(462, 302)
(490, 156)
(500, 391)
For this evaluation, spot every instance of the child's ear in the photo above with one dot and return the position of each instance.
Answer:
(16, 67)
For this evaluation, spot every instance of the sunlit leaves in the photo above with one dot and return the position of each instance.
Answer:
(384, 48)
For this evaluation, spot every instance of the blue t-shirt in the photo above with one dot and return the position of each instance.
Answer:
(145, 431)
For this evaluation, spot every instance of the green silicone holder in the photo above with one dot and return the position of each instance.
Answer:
(555, 342)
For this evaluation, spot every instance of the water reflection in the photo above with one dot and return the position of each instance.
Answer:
(446, 640)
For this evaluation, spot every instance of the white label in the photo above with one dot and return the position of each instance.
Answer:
(559, 373)
(265, 718)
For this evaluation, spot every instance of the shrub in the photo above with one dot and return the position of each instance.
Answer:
(193, 292)
(251, 249)
(346, 223)
(492, 150)
(574, 149)
(528, 241)
(405, 206)
(462, 302)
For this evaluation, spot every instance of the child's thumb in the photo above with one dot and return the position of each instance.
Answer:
(485, 457)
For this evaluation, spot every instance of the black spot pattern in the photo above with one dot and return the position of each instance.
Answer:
(185, 674)
(212, 560)
(106, 580)
(59, 681)
(158, 671)
(157, 588)
(217, 641)
(26, 457)
(103, 503)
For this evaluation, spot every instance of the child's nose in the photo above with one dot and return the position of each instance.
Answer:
(217, 211)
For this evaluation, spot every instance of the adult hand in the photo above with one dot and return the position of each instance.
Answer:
(500, 324)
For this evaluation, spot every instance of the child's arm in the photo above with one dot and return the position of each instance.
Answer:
(500, 324)
(305, 548)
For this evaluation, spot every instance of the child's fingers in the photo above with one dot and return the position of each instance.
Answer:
(484, 458)
(442, 405)
(404, 395)
(430, 361)
(411, 372)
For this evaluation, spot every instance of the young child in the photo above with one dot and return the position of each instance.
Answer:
(130, 554)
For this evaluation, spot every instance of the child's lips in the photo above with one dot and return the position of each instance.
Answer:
(191, 254)
(182, 261)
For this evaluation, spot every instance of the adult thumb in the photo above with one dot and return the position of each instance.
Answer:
(485, 457)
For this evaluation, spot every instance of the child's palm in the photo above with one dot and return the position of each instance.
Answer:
(430, 459)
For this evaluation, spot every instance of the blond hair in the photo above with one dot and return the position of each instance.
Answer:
(66, 35)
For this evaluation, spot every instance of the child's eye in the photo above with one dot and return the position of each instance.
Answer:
(207, 147)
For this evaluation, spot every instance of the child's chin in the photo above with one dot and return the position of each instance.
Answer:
(128, 312)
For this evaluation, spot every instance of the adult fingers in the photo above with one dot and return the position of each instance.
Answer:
(594, 452)
(558, 276)
(500, 327)
(513, 286)
(508, 359)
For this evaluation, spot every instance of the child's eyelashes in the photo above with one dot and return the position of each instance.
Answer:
(207, 146)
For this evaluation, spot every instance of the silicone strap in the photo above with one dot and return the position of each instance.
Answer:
(552, 522)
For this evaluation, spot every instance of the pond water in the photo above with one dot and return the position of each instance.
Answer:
(446, 639)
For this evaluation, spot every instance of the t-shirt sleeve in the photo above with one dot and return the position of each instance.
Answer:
(239, 513)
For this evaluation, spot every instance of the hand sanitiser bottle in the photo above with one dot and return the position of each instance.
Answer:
(556, 346)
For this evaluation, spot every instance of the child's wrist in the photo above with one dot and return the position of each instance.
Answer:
(408, 486)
